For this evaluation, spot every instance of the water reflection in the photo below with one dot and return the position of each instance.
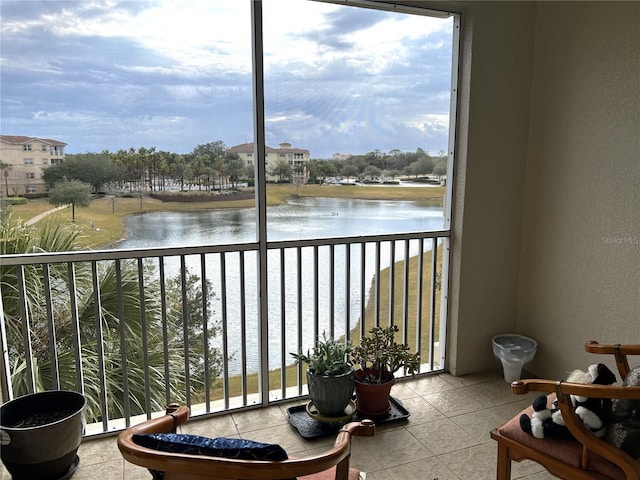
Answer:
(297, 219)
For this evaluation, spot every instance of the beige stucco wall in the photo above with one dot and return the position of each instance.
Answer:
(496, 69)
(546, 227)
(580, 263)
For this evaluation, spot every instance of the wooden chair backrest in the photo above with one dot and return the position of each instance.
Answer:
(195, 467)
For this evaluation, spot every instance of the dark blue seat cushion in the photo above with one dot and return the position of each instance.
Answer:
(212, 447)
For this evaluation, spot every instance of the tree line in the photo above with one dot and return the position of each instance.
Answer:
(211, 166)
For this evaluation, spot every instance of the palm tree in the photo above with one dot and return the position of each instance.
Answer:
(124, 369)
(6, 168)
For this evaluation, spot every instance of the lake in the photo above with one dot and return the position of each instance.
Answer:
(300, 218)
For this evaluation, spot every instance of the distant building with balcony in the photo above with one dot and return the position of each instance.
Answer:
(296, 158)
(22, 160)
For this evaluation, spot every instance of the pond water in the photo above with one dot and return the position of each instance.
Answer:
(297, 219)
(300, 218)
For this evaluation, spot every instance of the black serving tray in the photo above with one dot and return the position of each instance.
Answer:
(310, 428)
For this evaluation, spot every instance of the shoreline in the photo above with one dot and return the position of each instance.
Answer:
(101, 224)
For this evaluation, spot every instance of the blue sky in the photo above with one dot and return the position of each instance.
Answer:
(109, 74)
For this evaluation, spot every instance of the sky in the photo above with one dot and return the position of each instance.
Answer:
(109, 75)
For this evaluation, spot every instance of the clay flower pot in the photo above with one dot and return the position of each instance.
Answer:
(372, 399)
(40, 434)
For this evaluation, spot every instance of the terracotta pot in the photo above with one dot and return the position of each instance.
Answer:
(40, 434)
(331, 394)
(372, 399)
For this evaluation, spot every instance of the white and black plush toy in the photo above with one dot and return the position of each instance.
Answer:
(548, 422)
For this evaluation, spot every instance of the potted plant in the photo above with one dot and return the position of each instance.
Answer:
(40, 434)
(330, 375)
(379, 356)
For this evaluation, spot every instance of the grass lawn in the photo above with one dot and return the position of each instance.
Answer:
(101, 222)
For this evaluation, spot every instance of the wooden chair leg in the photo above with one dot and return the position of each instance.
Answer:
(342, 470)
(504, 463)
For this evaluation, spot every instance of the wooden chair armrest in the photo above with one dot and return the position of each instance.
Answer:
(620, 352)
(589, 441)
(204, 466)
(527, 385)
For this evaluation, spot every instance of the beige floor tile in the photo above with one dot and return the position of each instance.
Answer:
(421, 411)
(479, 424)
(220, 426)
(430, 384)
(402, 390)
(258, 418)
(446, 435)
(380, 475)
(472, 379)
(526, 468)
(283, 435)
(544, 475)
(389, 449)
(134, 472)
(489, 394)
(98, 450)
(427, 469)
(442, 436)
(474, 463)
(111, 470)
(453, 402)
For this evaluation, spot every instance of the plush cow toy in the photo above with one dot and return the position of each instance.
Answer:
(548, 422)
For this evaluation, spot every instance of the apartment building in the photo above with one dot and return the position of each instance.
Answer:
(22, 160)
(296, 158)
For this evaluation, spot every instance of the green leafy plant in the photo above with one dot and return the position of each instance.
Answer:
(329, 357)
(380, 356)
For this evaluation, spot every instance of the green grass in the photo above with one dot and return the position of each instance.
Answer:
(108, 228)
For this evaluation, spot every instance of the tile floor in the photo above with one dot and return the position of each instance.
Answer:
(446, 436)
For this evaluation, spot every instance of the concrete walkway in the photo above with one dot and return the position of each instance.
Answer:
(37, 218)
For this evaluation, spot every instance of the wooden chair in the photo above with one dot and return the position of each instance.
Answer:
(586, 457)
(332, 464)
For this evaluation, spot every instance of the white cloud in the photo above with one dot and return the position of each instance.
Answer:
(337, 78)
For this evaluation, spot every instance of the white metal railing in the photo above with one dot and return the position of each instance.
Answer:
(134, 330)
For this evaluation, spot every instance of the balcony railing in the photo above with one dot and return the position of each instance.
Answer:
(134, 330)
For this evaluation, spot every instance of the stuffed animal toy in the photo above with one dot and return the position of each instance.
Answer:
(548, 422)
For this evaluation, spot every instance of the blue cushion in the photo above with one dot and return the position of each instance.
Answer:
(212, 447)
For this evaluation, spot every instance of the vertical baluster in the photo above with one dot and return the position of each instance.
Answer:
(145, 337)
(225, 329)
(283, 326)
(332, 299)
(406, 286)
(377, 285)
(26, 329)
(185, 329)
(97, 309)
(205, 332)
(243, 329)
(165, 331)
(419, 287)
(432, 299)
(316, 295)
(75, 328)
(347, 292)
(363, 254)
(51, 327)
(5, 366)
(392, 281)
(300, 306)
(123, 345)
